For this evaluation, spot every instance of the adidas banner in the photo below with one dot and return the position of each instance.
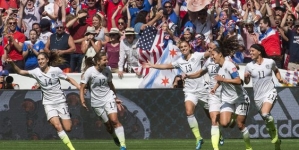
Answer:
(149, 113)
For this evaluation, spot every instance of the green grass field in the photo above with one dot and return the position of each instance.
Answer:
(159, 144)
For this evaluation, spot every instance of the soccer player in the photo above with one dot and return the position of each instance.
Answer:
(195, 91)
(54, 100)
(233, 96)
(260, 70)
(103, 96)
(214, 99)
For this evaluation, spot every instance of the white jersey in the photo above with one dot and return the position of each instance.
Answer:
(261, 77)
(50, 84)
(190, 66)
(100, 90)
(230, 92)
(212, 69)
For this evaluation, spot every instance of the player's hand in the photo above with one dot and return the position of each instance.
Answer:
(213, 91)
(147, 65)
(8, 60)
(282, 81)
(84, 105)
(120, 74)
(184, 76)
(246, 74)
(218, 78)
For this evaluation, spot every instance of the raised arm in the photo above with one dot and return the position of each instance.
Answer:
(196, 74)
(16, 68)
(270, 14)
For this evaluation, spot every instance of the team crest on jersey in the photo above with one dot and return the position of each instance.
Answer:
(267, 66)
(52, 75)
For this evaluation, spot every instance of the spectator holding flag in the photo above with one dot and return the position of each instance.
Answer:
(194, 89)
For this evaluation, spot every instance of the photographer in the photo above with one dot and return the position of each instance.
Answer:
(6, 81)
(178, 82)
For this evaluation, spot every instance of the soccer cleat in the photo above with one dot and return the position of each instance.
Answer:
(221, 139)
(123, 148)
(116, 141)
(198, 144)
(277, 145)
(248, 148)
(275, 136)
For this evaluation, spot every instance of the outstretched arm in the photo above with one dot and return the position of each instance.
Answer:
(73, 82)
(157, 66)
(196, 74)
(17, 69)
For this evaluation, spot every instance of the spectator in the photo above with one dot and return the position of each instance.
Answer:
(6, 4)
(97, 23)
(250, 38)
(31, 48)
(178, 82)
(128, 52)
(77, 28)
(36, 27)
(91, 11)
(269, 38)
(90, 46)
(111, 6)
(143, 20)
(204, 22)
(121, 24)
(172, 12)
(45, 33)
(293, 36)
(13, 42)
(141, 5)
(29, 15)
(112, 49)
(62, 44)
(199, 43)
(49, 10)
(6, 81)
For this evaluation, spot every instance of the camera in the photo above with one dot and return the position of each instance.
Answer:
(6, 80)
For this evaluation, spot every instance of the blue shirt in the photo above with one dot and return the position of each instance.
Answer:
(31, 59)
(134, 11)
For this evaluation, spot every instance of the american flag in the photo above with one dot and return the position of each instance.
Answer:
(149, 47)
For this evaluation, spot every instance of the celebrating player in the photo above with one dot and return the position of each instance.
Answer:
(233, 96)
(103, 96)
(54, 100)
(214, 99)
(195, 91)
(260, 70)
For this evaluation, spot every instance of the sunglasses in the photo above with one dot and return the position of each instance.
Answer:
(59, 27)
(12, 23)
(121, 23)
(139, 0)
(167, 7)
(90, 0)
(289, 20)
(113, 34)
(248, 25)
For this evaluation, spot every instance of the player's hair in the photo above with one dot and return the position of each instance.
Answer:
(260, 48)
(227, 46)
(54, 59)
(98, 57)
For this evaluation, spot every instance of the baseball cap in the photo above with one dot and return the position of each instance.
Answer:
(4, 73)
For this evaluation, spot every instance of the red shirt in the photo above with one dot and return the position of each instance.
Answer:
(8, 4)
(1, 53)
(14, 54)
(111, 8)
(77, 31)
(91, 13)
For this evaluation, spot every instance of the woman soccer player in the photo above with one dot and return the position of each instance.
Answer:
(54, 100)
(195, 91)
(214, 99)
(260, 70)
(103, 96)
(233, 96)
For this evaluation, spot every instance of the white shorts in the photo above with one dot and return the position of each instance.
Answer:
(214, 103)
(269, 97)
(103, 111)
(202, 99)
(240, 108)
(57, 110)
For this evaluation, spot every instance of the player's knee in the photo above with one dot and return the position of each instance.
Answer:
(68, 129)
(267, 117)
(189, 112)
(57, 126)
(240, 125)
(115, 123)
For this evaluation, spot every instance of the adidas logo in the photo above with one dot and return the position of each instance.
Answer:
(285, 114)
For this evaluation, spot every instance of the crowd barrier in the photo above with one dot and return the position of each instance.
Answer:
(149, 114)
(131, 80)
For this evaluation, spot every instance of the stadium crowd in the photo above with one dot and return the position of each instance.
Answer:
(78, 29)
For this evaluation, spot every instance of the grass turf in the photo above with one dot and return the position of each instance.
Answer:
(152, 144)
